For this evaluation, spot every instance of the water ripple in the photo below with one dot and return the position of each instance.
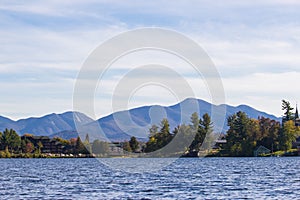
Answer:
(187, 178)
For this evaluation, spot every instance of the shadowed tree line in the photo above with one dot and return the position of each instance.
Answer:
(245, 134)
(12, 145)
(189, 138)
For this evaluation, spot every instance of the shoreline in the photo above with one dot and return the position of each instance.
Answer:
(294, 154)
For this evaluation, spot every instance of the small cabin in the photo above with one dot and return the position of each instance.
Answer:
(219, 144)
(116, 148)
(261, 150)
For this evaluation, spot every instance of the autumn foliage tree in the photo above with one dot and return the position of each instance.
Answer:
(269, 133)
(287, 135)
(160, 139)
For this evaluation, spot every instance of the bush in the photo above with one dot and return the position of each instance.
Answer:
(8, 155)
(2, 154)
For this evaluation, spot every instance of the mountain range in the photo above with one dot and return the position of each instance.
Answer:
(120, 126)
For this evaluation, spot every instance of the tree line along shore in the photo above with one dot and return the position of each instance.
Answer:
(245, 137)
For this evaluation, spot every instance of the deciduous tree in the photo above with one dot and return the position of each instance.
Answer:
(99, 147)
(288, 135)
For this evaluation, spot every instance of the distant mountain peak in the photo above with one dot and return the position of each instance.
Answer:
(141, 118)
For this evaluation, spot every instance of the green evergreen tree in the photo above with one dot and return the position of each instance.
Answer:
(79, 147)
(87, 138)
(204, 135)
(134, 144)
(240, 141)
(87, 144)
(287, 108)
(195, 122)
(11, 140)
(196, 143)
(164, 136)
(206, 130)
(160, 139)
(126, 146)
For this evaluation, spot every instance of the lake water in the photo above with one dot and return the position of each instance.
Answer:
(188, 178)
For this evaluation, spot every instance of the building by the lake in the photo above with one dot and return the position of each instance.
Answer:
(48, 145)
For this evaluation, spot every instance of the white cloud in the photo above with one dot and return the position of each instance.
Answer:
(252, 43)
(264, 91)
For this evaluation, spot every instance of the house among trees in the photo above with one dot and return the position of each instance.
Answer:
(261, 150)
(45, 144)
(115, 148)
(219, 144)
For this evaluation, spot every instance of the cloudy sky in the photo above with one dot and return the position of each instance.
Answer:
(255, 46)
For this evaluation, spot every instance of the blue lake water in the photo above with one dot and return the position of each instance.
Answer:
(188, 178)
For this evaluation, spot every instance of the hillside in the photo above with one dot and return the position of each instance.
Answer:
(135, 122)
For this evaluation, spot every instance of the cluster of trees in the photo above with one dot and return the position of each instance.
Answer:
(245, 134)
(198, 135)
(77, 146)
(132, 145)
(11, 144)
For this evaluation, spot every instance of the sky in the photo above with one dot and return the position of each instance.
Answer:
(255, 46)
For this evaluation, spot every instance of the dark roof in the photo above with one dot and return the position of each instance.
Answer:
(262, 148)
(221, 141)
(41, 137)
(36, 137)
